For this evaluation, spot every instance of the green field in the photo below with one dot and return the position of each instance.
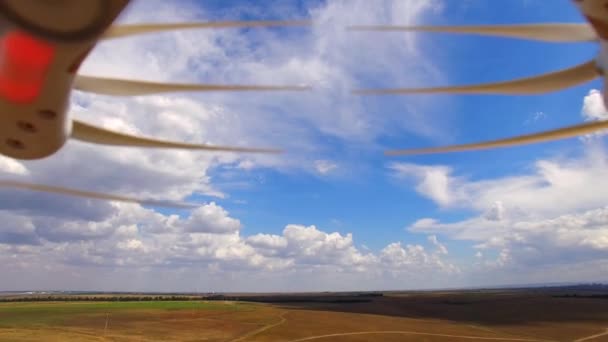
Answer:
(160, 320)
(14, 315)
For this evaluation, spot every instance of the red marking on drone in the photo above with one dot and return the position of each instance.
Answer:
(24, 63)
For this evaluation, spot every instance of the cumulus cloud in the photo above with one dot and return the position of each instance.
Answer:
(433, 182)
(415, 261)
(212, 218)
(553, 215)
(594, 109)
(496, 212)
(141, 239)
(267, 242)
(441, 248)
(313, 246)
(309, 246)
(593, 106)
(17, 230)
(585, 231)
(555, 186)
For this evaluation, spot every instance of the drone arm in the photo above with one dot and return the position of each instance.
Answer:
(97, 135)
(561, 133)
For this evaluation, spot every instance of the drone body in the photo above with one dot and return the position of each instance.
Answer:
(38, 69)
(42, 45)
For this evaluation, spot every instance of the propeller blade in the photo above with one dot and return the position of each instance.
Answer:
(125, 87)
(119, 31)
(539, 84)
(561, 133)
(549, 32)
(90, 194)
(97, 135)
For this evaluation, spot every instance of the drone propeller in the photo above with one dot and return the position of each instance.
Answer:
(561, 133)
(119, 31)
(543, 83)
(91, 194)
(97, 135)
(126, 87)
(550, 32)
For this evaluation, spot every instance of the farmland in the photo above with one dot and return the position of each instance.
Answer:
(399, 316)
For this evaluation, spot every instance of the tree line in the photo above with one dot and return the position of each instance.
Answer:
(356, 298)
(99, 298)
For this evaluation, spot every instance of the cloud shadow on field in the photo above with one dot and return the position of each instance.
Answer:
(486, 308)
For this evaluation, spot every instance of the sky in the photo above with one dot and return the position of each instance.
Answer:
(332, 213)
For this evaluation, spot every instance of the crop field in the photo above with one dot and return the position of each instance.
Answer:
(392, 317)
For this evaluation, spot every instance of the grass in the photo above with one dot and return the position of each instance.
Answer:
(15, 315)
(153, 320)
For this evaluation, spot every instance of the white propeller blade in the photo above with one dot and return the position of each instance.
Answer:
(524, 86)
(561, 133)
(550, 32)
(125, 87)
(97, 135)
(119, 31)
(90, 194)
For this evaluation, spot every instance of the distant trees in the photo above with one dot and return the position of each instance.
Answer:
(135, 297)
(104, 298)
(574, 295)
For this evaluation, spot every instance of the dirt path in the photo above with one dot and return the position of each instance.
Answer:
(262, 329)
(414, 333)
(592, 336)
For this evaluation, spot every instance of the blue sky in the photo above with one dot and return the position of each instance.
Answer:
(374, 206)
(333, 212)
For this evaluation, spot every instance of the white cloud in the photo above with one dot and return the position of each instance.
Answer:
(310, 246)
(414, 260)
(594, 109)
(434, 182)
(131, 244)
(150, 243)
(267, 241)
(593, 106)
(552, 215)
(17, 230)
(211, 218)
(325, 166)
(441, 248)
(496, 212)
(395, 255)
(12, 166)
(555, 186)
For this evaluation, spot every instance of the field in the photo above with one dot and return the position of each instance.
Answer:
(432, 316)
